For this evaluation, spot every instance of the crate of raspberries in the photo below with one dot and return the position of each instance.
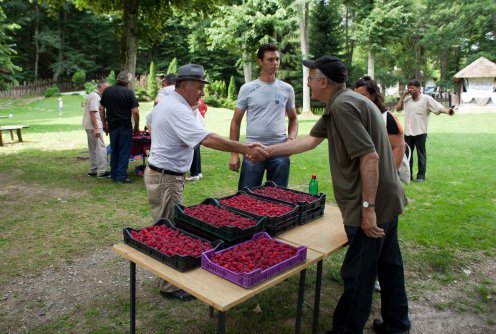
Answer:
(174, 247)
(213, 221)
(251, 262)
(311, 206)
(280, 216)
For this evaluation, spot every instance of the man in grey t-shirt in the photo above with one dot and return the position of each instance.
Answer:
(266, 102)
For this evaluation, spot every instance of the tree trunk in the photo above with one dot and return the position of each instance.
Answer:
(418, 58)
(304, 55)
(444, 65)
(60, 53)
(247, 69)
(36, 41)
(371, 62)
(129, 41)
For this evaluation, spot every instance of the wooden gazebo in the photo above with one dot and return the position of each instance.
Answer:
(479, 84)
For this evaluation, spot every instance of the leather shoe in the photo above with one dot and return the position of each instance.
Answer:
(380, 327)
(178, 294)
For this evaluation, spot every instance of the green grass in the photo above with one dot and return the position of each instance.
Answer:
(52, 212)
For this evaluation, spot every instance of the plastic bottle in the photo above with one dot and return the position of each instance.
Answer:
(313, 186)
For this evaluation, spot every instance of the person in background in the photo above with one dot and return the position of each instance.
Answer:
(196, 170)
(175, 132)
(266, 101)
(370, 89)
(168, 85)
(117, 106)
(417, 108)
(368, 193)
(92, 123)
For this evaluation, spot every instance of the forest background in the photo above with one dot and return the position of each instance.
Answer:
(393, 41)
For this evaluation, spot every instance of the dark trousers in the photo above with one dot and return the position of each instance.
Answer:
(419, 143)
(120, 142)
(196, 164)
(367, 257)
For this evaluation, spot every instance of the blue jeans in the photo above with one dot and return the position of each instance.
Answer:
(367, 257)
(120, 142)
(252, 172)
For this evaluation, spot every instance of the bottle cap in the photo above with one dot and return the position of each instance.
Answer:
(314, 176)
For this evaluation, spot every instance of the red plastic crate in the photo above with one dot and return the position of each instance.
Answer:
(247, 280)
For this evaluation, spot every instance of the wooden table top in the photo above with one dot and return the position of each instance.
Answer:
(325, 235)
(207, 287)
(322, 237)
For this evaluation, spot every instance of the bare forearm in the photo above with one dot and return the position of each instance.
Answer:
(220, 143)
(293, 128)
(369, 175)
(299, 145)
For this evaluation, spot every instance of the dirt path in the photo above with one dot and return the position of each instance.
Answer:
(31, 301)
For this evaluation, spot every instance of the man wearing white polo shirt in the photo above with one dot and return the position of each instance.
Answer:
(175, 132)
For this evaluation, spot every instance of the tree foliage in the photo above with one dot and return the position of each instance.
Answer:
(7, 51)
(152, 81)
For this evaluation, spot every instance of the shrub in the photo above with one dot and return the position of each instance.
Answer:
(52, 91)
(152, 81)
(218, 88)
(141, 94)
(231, 89)
(172, 66)
(78, 79)
(111, 78)
(90, 86)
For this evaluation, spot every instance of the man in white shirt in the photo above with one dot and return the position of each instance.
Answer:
(417, 108)
(175, 132)
(92, 123)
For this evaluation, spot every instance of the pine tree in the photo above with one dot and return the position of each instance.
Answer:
(172, 66)
(231, 90)
(152, 82)
(325, 27)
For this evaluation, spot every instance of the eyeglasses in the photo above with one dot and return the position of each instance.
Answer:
(314, 78)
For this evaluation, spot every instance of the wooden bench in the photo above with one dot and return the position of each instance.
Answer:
(11, 128)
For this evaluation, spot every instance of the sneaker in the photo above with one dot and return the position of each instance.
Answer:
(192, 178)
(104, 175)
(91, 174)
(126, 180)
(200, 176)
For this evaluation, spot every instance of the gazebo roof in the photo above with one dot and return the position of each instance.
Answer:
(481, 68)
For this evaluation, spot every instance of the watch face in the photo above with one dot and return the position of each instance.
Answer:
(365, 204)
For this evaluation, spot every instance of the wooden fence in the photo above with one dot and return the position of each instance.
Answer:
(38, 87)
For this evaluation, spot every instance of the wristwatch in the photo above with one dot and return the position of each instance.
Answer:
(366, 204)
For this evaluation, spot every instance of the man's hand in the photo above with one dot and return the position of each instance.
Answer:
(257, 152)
(97, 133)
(234, 162)
(105, 129)
(369, 224)
(136, 131)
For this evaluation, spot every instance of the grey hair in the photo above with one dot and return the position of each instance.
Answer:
(125, 77)
(101, 83)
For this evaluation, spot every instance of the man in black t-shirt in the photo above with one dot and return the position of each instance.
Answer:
(117, 106)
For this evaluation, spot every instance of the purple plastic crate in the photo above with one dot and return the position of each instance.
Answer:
(247, 280)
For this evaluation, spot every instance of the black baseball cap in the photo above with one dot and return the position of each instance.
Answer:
(331, 66)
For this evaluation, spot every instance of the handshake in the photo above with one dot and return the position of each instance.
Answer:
(256, 152)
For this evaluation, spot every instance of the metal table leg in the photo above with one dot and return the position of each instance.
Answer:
(221, 323)
(132, 306)
(316, 305)
(299, 306)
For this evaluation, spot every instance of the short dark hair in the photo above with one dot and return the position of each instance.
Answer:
(170, 78)
(373, 89)
(415, 83)
(268, 47)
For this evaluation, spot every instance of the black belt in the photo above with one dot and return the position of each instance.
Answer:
(164, 171)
